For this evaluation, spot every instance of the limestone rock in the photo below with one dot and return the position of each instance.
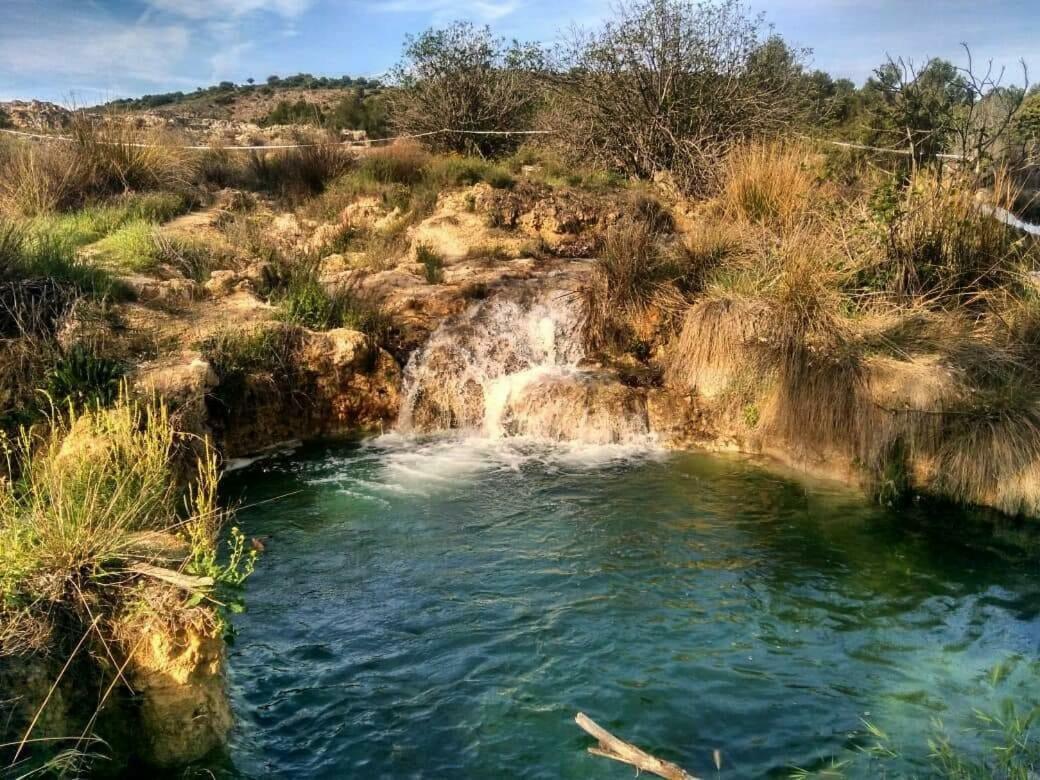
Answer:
(179, 680)
(221, 283)
(147, 289)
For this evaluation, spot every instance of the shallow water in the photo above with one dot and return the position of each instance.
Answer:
(445, 607)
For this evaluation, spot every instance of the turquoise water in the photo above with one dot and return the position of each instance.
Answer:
(444, 608)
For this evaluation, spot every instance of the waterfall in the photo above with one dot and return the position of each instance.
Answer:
(511, 366)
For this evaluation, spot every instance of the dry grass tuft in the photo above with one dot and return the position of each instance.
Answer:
(297, 174)
(628, 273)
(767, 183)
(399, 163)
(103, 159)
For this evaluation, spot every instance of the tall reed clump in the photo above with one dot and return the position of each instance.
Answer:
(943, 244)
(88, 485)
(104, 158)
(121, 158)
(637, 266)
(297, 174)
(626, 275)
(399, 163)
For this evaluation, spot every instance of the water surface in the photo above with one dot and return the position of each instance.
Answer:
(444, 608)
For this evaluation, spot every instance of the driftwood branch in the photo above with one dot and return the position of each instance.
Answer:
(617, 749)
(185, 581)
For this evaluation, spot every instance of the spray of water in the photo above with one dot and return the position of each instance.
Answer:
(511, 367)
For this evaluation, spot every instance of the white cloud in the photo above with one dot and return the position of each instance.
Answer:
(222, 9)
(227, 61)
(108, 51)
(484, 10)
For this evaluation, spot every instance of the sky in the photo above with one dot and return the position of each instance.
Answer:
(81, 52)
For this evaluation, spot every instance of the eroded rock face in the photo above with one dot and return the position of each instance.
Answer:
(182, 381)
(339, 383)
(355, 381)
(179, 683)
(567, 222)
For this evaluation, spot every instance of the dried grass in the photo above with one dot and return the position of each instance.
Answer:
(767, 183)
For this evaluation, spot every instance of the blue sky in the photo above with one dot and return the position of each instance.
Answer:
(84, 51)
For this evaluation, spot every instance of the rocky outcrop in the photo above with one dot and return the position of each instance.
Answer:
(567, 222)
(36, 116)
(178, 683)
(337, 383)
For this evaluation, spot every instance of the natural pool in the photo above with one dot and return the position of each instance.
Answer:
(443, 608)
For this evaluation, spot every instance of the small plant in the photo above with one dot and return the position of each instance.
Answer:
(82, 377)
(752, 415)
(306, 301)
(432, 262)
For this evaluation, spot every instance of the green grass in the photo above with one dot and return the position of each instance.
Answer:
(551, 169)
(432, 263)
(89, 481)
(408, 179)
(27, 255)
(133, 247)
(307, 302)
(90, 224)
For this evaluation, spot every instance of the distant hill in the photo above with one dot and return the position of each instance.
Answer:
(232, 110)
(258, 102)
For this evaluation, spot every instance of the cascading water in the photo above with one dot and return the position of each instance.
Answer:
(510, 366)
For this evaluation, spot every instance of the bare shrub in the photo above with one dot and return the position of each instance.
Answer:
(670, 85)
(463, 78)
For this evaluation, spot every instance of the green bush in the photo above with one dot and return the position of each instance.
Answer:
(82, 377)
(305, 301)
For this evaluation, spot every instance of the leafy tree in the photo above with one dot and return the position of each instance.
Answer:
(360, 111)
(941, 108)
(464, 78)
(673, 85)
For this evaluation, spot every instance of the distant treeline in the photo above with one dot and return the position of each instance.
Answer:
(225, 91)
